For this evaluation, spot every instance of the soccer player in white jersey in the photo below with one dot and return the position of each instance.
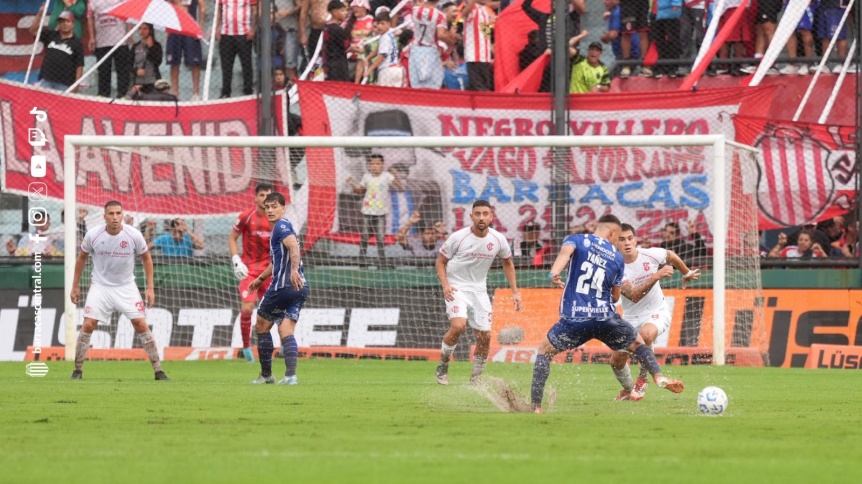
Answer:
(113, 247)
(644, 306)
(462, 267)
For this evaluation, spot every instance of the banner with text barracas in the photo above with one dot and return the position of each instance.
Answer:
(169, 182)
(635, 183)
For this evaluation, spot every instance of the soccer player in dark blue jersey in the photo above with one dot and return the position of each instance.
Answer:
(593, 285)
(286, 294)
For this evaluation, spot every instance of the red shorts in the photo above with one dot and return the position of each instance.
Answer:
(743, 32)
(252, 296)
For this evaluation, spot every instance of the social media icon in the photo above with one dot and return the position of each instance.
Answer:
(38, 165)
(37, 191)
(36, 137)
(38, 216)
(41, 116)
(36, 369)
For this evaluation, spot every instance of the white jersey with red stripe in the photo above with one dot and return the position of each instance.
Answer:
(426, 21)
(477, 35)
(646, 264)
(471, 256)
(114, 255)
(236, 16)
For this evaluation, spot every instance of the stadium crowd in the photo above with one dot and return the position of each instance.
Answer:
(430, 44)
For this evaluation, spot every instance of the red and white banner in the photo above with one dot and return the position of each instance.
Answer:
(644, 186)
(157, 181)
(807, 172)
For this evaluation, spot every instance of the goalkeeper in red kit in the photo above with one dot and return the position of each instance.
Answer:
(255, 229)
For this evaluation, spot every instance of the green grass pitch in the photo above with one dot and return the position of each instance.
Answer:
(376, 421)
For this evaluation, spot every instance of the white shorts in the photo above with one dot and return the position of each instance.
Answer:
(660, 318)
(102, 301)
(475, 306)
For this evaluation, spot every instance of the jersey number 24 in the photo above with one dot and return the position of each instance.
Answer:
(591, 276)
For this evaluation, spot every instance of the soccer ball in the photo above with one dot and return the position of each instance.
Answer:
(712, 401)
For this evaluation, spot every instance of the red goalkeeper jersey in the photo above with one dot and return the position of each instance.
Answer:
(255, 231)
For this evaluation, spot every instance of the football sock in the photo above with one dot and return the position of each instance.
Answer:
(624, 376)
(245, 329)
(446, 352)
(81, 348)
(647, 359)
(540, 375)
(149, 344)
(290, 351)
(264, 353)
(479, 365)
(642, 373)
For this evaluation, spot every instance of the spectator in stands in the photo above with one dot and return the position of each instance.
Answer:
(850, 242)
(278, 79)
(78, 9)
(336, 44)
(692, 28)
(829, 14)
(665, 32)
(64, 55)
(739, 36)
(530, 52)
(589, 74)
(161, 92)
(146, 58)
(764, 28)
(426, 244)
(478, 25)
(804, 30)
(672, 240)
(360, 25)
(530, 244)
(277, 38)
(429, 27)
(42, 239)
(312, 20)
(634, 18)
(613, 35)
(390, 72)
(545, 24)
(236, 20)
(182, 46)
(375, 186)
(805, 247)
(440, 228)
(287, 15)
(178, 242)
(106, 31)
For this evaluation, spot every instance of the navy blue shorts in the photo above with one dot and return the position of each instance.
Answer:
(283, 303)
(830, 17)
(615, 332)
(180, 46)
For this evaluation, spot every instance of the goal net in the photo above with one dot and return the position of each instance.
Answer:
(694, 194)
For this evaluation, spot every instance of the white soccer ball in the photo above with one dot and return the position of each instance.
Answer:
(712, 401)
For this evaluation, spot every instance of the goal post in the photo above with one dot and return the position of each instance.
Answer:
(725, 192)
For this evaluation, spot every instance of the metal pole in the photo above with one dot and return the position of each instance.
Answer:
(858, 141)
(265, 36)
(560, 91)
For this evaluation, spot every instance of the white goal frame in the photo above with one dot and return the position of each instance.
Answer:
(716, 142)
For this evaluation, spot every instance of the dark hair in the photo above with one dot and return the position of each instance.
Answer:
(113, 203)
(334, 5)
(175, 222)
(405, 37)
(610, 219)
(628, 228)
(262, 187)
(401, 168)
(275, 197)
(382, 17)
(482, 203)
(672, 224)
(375, 156)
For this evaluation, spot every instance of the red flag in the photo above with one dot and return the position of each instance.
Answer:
(510, 37)
(530, 79)
(651, 56)
(699, 69)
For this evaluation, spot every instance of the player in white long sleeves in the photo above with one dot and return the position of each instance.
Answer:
(643, 302)
(113, 247)
(462, 267)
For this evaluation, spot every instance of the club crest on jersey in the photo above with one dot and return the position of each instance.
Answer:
(586, 242)
(490, 246)
(124, 244)
(454, 309)
(87, 310)
(646, 266)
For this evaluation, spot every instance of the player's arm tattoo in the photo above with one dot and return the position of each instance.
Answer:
(637, 292)
(292, 249)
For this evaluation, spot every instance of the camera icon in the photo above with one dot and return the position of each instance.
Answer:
(38, 216)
